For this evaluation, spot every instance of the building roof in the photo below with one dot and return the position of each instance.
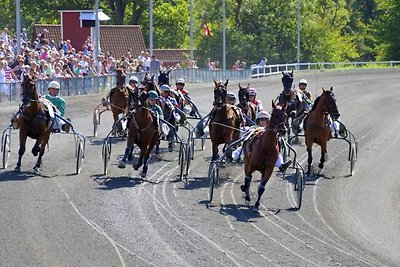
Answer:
(169, 55)
(118, 39)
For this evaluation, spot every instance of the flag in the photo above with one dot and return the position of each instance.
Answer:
(207, 30)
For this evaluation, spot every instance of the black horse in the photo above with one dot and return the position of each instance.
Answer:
(296, 105)
(248, 108)
(163, 77)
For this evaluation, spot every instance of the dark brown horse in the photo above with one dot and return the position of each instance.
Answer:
(317, 125)
(248, 108)
(142, 131)
(33, 122)
(261, 152)
(149, 85)
(225, 120)
(119, 98)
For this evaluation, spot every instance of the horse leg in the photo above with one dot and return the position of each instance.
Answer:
(309, 160)
(41, 153)
(36, 148)
(147, 156)
(261, 187)
(324, 156)
(127, 155)
(21, 151)
(246, 189)
(140, 161)
(215, 155)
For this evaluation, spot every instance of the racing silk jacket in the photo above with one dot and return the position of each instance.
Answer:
(169, 104)
(157, 110)
(57, 101)
(258, 104)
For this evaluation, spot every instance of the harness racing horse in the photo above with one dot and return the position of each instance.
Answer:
(316, 125)
(296, 106)
(33, 122)
(149, 85)
(142, 131)
(248, 108)
(225, 120)
(119, 99)
(261, 152)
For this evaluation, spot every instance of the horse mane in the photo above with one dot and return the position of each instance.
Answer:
(315, 104)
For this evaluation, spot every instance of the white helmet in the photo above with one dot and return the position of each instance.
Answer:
(165, 88)
(54, 84)
(180, 80)
(303, 81)
(133, 79)
(231, 95)
(252, 91)
(263, 114)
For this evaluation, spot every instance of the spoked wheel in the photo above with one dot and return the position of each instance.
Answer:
(96, 122)
(6, 150)
(213, 173)
(182, 162)
(353, 159)
(299, 185)
(203, 144)
(106, 154)
(189, 155)
(79, 156)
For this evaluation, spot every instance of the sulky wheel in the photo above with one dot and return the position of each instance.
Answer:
(106, 154)
(299, 185)
(213, 173)
(79, 156)
(6, 150)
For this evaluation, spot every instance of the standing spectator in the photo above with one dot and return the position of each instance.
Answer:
(155, 64)
(261, 65)
(141, 57)
(5, 37)
(24, 36)
(147, 61)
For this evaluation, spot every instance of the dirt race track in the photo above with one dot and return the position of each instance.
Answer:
(62, 219)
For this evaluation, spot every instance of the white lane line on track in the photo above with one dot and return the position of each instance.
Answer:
(290, 197)
(233, 228)
(225, 252)
(266, 234)
(100, 230)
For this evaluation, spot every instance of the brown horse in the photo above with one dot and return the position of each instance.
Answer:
(261, 152)
(149, 85)
(119, 97)
(33, 122)
(142, 131)
(225, 120)
(248, 108)
(316, 125)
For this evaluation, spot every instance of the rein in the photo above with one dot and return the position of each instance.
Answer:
(227, 126)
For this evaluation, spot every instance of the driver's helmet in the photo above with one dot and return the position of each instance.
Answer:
(153, 94)
(180, 80)
(54, 84)
(263, 114)
(231, 95)
(133, 79)
(303, 81)
(165, 88)
(252, 91)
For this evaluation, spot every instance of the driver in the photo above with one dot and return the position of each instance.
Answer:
(252, 98)
(59, 104)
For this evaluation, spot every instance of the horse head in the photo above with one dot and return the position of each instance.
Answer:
(163, 77)
(121, 76)
(29, 91)
(220, 91)
(278, 118)
(243, 95)
(148, 82)
(287, 81)
(330, 102)
(139, 97)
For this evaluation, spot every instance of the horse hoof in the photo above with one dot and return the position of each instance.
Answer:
(321, 165)
(143, 174)
(135, 167)
(243, 188)
(121, 165)
(247, 203)
(17, 169)
(256, 210)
